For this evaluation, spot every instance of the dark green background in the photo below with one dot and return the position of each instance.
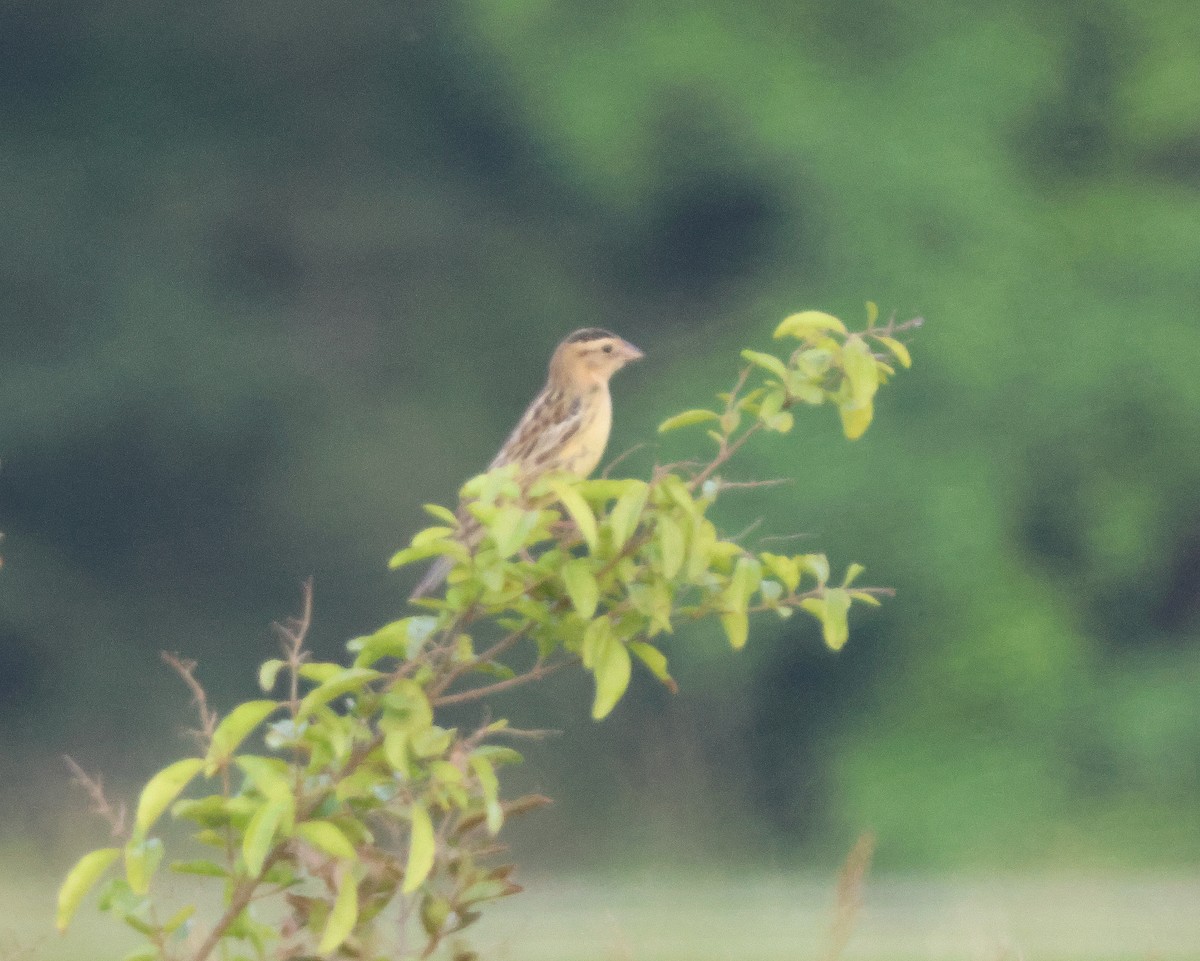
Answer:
(272, 274)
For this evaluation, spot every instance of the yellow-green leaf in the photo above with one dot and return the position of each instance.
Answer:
(268, 673)
(438, 512)
(489, 786)
(409, 555)
(421, 848)
(899, 351)
(687, 419)
(852, 573)
(327, 838)
(234, 728)
(856, 421)
(260, 833)
(835, 629)
(626, 513)
(343, 682)
(579, 510)
(817, 565)
(872, 313)
(162, 789)
(785, 568)
(595, 637)
(768, 362)
(80, 880)
(343, 917)
(141, 861)
(808, 322)
(671, 544)
(861, 371)
(737, 628)
(581, 586)
(612, 668)
(655, 660)
(395, 749)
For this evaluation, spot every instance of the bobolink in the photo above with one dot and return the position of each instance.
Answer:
(565, 428)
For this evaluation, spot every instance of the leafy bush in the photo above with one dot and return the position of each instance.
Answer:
(359, 800)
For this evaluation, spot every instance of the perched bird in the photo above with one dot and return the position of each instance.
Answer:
(565, 428)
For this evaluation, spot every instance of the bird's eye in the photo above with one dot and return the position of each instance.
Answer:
(607, 348)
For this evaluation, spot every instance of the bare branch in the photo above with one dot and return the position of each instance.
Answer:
(624, 454)
(848, 900)
(536, 673)
(186, 669)
(101, 806)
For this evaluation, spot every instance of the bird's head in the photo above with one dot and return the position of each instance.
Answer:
(590, 357)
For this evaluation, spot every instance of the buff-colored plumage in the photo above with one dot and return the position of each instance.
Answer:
(565, 428)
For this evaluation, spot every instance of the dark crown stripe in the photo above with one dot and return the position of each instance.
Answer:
(590, 333)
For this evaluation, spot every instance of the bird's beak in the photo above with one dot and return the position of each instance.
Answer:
(631, 352)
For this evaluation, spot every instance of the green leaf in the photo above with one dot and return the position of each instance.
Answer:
(438, 512)
(612, 668)
(687, 419)
(268, 673)
(747, 575)
(509, 528)
(208, 869)
(234, 728)
(656, 661)
(861, 372)
(395, 749)
(787, 569)
(852, 573)
(872, 313)
(671, 545)
(80, 880)
(346, 680)
(421, 848)
(179, 918)
(320, 671)
(768, 362)
(626, 513)
(596, 635)
(855, 421)
(260, 834)
(580, 582)
(489, 786)
(737, 628)
(343, 917)
(142, 859)
(162, 789)
(866, 598)
(808, 323)
(269, 775)
(143, 954)
(327, 838)
(410, 555)
(817, 565)
(834, 628)
(899, 351)
(579, 510)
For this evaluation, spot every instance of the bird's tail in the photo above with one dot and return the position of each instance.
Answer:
(433, 578)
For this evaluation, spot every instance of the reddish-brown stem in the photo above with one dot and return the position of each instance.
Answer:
(535, 673)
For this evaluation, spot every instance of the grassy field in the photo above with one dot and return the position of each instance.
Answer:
(758, 919)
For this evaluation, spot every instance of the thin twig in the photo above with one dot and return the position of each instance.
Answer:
(624, 454)
(848, 899)
(101, 806)
(186, 669)
(536, 673)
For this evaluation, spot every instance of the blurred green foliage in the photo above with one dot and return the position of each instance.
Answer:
(272, 275)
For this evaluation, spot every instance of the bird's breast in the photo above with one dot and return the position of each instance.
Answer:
(586, 447)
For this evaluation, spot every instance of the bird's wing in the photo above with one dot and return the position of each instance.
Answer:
(545, 429)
